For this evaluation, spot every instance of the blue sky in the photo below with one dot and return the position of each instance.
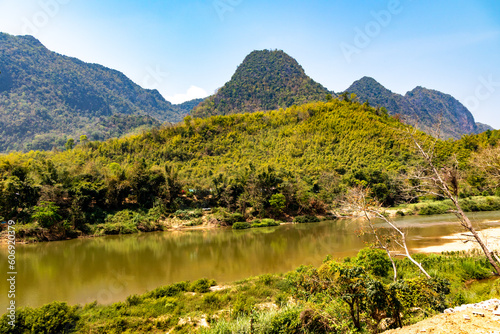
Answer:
(190, 48)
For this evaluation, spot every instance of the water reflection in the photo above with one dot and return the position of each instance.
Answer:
(109, 269)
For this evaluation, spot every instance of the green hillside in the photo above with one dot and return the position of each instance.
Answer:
(46, 98)
(266, 80)
(294, 161)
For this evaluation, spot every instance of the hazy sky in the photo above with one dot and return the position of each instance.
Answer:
(189, 48)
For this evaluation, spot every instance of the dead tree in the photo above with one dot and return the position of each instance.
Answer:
(358, 200)
(443, 182)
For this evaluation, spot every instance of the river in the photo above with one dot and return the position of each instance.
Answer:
(108, 269)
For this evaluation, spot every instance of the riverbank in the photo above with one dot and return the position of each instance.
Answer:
(273, 303)
(129, 221)
(464, 242)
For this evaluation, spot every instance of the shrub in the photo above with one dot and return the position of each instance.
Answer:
(133, 300)
(242, 306)
(264, 223)
(266, 279)
(196, 222)
(188, 214)
(168, 290)
(46, 214)
(286, 321)
(241, 226)
(374, 261)
(202, 285)
(306, 219)
(433, 209)
(55, 317)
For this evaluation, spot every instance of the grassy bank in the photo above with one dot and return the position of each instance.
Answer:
(433, 207)
(307, 300)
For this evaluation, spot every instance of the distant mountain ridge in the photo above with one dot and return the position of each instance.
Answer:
(269, 80)
(265, 80)
(46, 97)
(424, 108)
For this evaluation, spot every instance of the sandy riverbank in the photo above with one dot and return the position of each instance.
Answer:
(462, 242)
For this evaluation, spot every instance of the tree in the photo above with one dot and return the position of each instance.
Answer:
(84, 140)
(487, 161)
(358, 200)
(278, 203)
(46, 214)
(443, 182)
(69, 144)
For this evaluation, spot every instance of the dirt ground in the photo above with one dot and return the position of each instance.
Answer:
(482, 318)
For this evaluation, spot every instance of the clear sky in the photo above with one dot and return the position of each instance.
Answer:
(189, 48)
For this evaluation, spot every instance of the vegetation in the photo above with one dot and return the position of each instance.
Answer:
(352, 296)
(266, 80)
(253, 165)
(422, 107)
(47, 98)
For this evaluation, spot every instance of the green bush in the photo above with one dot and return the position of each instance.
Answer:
(433, 209)
(471, 269)
(202, 285)
(55, 317)
(264, 223)
(306, 219)
(168, 290)
(287, 321)
(375, 261)
(188, 214)
(241, 226)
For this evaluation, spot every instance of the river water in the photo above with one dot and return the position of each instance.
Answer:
(108, 269)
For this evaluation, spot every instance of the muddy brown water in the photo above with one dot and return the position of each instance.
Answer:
(108, 269)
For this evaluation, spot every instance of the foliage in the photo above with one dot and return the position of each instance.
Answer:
(246, 165)
(421, 106)
(241, 226)
(264, 223)
(306, 219)
(375, 261)
(311, 300)
(266, 80)
(46, 214)
(45, 98)
(55, 317)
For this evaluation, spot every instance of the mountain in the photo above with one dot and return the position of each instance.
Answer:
(187, 106)
(422, 107)
(46, 97)
(266, 80)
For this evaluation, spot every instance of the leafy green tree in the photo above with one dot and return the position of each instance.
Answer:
(278, 203)
(46, 214)
(374, 261)
(347, 281)
(69, 144)
(84, 140)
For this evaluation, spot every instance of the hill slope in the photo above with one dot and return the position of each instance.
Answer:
(421, 106)
(45, 97)
(266, 80)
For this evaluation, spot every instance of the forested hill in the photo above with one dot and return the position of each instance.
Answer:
(266, 80)
(422, 107)
(46, 97)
